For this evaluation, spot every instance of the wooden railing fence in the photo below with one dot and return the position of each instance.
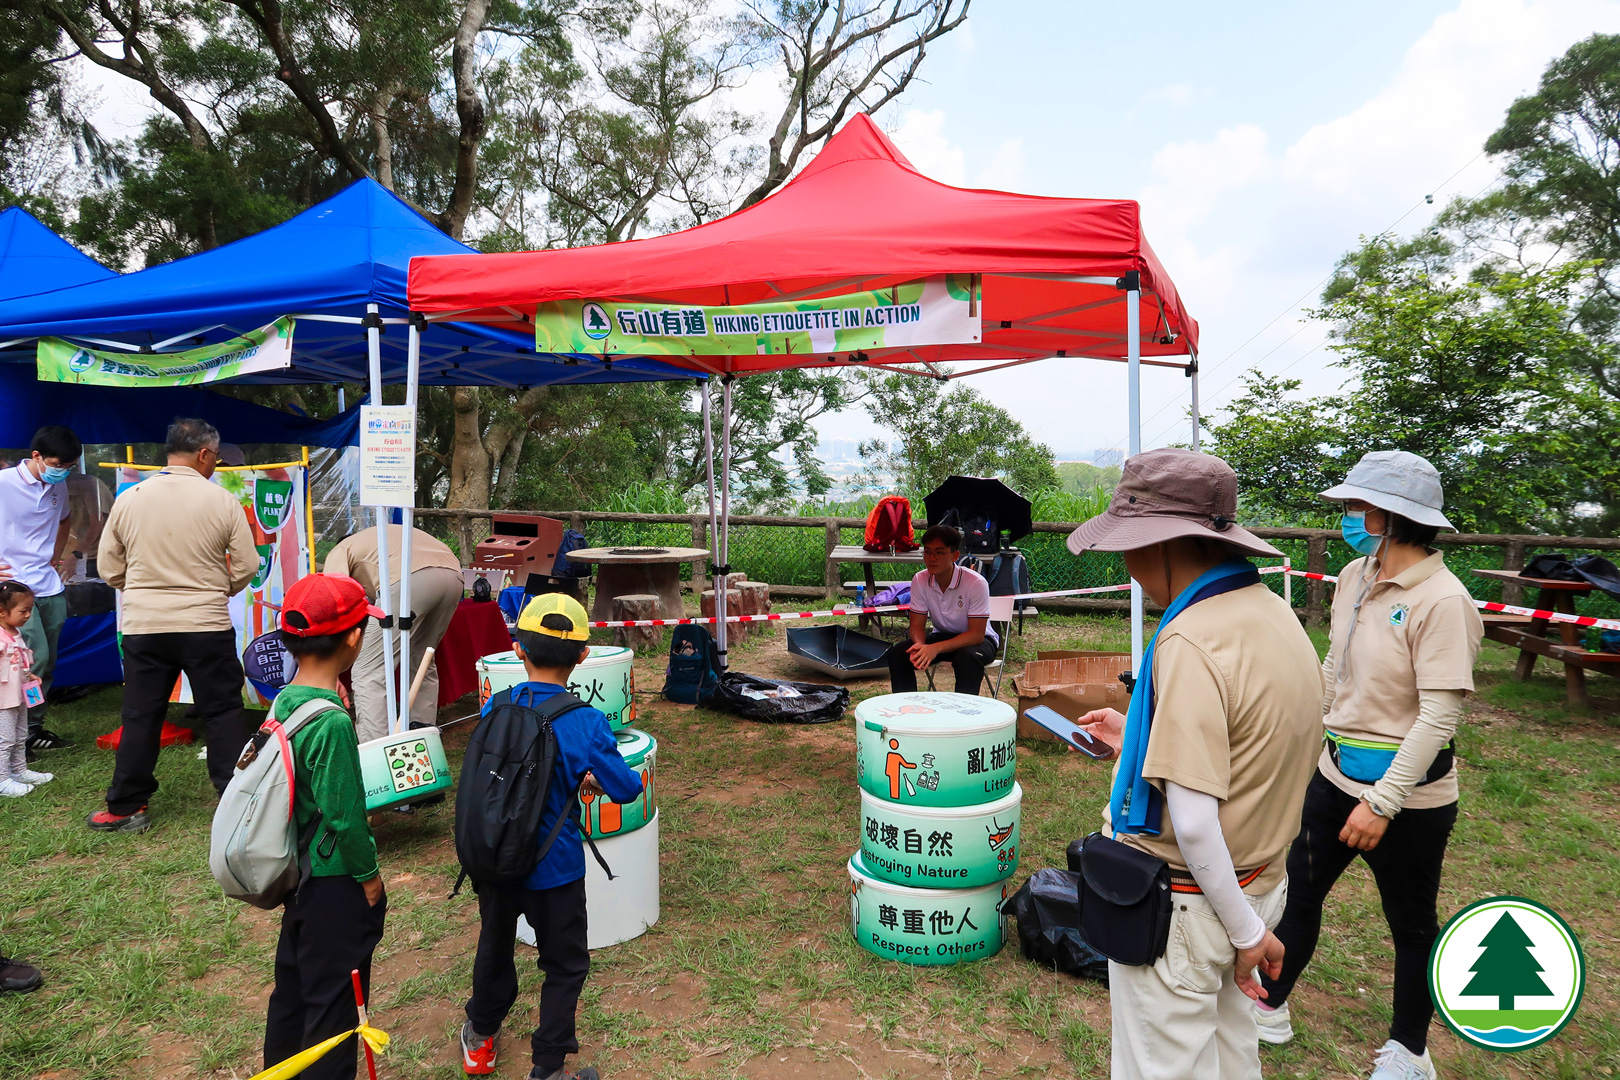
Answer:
(469, 526)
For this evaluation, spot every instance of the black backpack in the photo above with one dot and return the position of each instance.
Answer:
(693, 674)
(505, 776)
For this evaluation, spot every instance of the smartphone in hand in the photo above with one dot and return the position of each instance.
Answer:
(1071, 733)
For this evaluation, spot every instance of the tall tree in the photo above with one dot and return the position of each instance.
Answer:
(1471, 373)
(513, 124)
(944, 429)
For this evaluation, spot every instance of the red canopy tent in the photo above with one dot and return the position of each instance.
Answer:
(1057, 277)
(859, 217)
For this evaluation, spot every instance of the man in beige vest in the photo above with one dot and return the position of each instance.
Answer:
(179, 546)
(436, 587)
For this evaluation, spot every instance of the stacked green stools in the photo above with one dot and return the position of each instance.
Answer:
(939, 826)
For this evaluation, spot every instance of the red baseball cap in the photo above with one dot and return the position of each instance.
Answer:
(323, 604)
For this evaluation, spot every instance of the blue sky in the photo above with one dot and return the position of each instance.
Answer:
(1262, 140)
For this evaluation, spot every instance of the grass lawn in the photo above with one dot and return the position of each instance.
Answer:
(751, 971)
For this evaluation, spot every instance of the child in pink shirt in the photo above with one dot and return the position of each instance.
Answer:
(16, 606)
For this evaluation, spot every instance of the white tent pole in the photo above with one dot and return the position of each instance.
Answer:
(374, 356)
(1192, 374)
(724, 568)
(1133, 355)
(413, 358)
(708, 466)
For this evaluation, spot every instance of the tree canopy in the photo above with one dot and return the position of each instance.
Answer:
(1490, 345)
(512, 124)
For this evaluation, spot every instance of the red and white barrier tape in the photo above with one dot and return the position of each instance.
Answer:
(1483, 605)
(778, 616)
(891, 609)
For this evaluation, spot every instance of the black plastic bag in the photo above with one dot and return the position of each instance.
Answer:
(776, 701)
(1595, 570)
(1598, 572)
(1047, 908)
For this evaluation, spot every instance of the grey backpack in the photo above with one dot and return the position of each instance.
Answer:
(256, 853)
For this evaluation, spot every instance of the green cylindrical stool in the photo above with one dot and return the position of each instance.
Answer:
(936, 749)
(924, 926)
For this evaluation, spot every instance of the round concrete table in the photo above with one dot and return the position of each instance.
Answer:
(621, 571)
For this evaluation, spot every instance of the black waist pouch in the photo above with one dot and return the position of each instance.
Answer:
(1124, 899)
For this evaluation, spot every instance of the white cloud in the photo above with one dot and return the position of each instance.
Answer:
(1177, 95)
(921, 137)
(1004, 171)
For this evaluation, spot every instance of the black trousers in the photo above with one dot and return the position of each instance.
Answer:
(152, 663)
(1405, 865)
(327, 931)
(967, 663)
(558, 918)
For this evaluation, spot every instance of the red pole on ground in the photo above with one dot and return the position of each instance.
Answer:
(360, 1004)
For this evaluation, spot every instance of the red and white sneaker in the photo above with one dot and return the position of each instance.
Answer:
(477, 1058)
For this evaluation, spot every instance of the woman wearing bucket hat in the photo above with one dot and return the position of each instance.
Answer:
(1214, 758)
(1405, 633)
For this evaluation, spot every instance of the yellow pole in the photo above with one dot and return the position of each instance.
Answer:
(309, 511)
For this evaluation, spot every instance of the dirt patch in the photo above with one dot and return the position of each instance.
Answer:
(667, 1005)
(168, 1056)
(747, 792)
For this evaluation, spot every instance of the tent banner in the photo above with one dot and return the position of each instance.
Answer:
(941, 310)
(273, 502)
(268, 348)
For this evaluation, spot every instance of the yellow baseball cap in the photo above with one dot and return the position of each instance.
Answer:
(535, 611)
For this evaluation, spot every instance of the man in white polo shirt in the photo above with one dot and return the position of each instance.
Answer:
(34, 521)
(958, 601)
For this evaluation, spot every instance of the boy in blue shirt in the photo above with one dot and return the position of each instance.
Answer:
(551, 640)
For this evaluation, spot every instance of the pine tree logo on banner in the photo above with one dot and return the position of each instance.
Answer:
(593, 318)
(1506, 973)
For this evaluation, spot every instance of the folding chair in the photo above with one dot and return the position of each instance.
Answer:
(1001, 614)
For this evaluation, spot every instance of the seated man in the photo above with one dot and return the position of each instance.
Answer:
(958, 599)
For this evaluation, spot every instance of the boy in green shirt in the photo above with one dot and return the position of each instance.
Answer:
(331, 925)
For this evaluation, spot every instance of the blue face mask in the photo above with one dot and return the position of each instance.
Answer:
(56, 474)
(1353, 527)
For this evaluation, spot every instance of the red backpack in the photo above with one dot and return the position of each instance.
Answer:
(889, 525)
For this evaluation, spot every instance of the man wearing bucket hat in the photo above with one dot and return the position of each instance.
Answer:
(1405, 634)
(1214, 758)
(552, 632)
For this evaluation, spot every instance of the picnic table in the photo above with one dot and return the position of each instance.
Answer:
(621, 571)
(853, 553)
(1529, 634)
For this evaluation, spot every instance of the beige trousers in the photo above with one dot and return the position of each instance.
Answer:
(1184, 1018)
(435, 592)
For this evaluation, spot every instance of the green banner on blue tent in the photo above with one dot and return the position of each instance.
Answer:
(268, 348)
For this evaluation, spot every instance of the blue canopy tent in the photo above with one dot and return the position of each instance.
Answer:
(102, 414)
(339, 269)
(329, 267)
(33, 259)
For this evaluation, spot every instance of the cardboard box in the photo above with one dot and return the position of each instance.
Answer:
(1071, 684)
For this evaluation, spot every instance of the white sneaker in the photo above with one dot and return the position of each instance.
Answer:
(12, 788)
(1274, 1024)
(1396, 1062)
(29, 776)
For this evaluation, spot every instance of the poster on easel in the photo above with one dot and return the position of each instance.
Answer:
(274, 498)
